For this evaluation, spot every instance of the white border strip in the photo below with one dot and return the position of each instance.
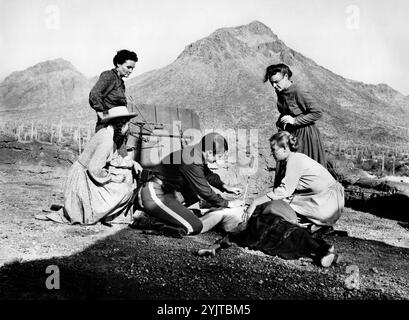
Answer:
(168, 210)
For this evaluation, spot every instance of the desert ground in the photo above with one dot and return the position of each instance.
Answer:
(119, 262)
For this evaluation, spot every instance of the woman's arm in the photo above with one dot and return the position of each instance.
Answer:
(252, 207)
(125, 163)
(308, 105)
(104, 85)
(121, 162)
(96, 166)
(293, 173)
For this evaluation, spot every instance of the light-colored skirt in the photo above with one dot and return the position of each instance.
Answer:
(324, 208)
(87, 203)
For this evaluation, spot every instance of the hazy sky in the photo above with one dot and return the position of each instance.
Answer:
(364, 40)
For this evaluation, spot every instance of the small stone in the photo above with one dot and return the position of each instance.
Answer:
(261, 282)
(350, 285)
(374, 270)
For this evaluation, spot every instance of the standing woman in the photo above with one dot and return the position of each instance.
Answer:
(109, 91)
(100, 184)
(298, 112)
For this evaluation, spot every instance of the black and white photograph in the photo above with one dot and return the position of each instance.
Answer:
(205, 158)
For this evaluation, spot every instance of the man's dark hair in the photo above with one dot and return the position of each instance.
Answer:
(215, 142)
(124, 55)
(277, 68)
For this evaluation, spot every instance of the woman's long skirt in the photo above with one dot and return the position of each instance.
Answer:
(87, 203)
(309, 143)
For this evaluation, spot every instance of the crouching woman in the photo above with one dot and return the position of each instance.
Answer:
(306, 200)
(306, 194)
(100, 183)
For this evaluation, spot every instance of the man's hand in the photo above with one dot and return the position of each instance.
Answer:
(236, 203)
(287, 120)
(250, 210)
(138, 168)
(230, 189)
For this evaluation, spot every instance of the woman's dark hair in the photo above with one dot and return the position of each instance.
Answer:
(215, 142)
(117, 124)
(277, 68)
(124, 55)
(285, 139)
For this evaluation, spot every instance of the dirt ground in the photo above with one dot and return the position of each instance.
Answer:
(119, 262)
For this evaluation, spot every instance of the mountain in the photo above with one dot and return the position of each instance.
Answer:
(47, 90)
(385, 93)
(221, 77)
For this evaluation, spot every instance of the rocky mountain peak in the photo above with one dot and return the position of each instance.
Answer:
(58, 64)
(45, 67)
(221, 77)
(41, 87)
(235, 43)
(255, 28)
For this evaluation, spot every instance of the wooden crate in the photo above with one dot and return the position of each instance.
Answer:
(159, 131)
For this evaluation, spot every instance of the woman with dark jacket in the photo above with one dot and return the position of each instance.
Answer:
(298, 112)
(109, 91)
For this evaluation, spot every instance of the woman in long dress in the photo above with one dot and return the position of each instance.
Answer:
(100, 183)
(298, 112)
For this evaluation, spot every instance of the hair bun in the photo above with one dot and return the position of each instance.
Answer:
(293, 142)
(284, 138)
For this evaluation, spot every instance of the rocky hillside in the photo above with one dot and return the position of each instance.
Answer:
(384, 93)
(221, 77)
(48, 90)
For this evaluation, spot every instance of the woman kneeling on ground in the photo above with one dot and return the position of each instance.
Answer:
(100, 183)
(307, 195)
(307, 199)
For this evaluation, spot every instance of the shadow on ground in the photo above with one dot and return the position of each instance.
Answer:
(394, 207)
(133, 265)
